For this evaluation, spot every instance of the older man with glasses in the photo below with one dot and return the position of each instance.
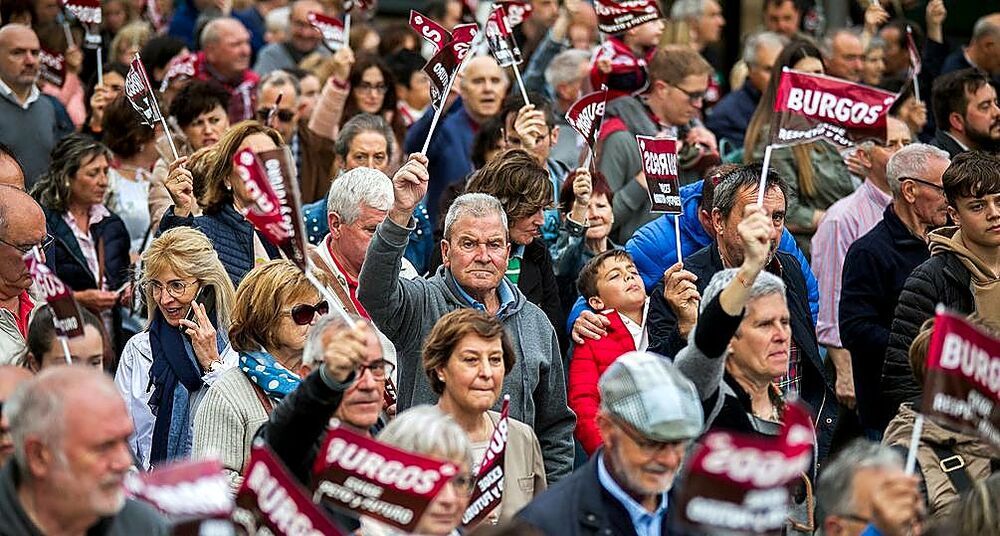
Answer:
(22, 226)
(649, 414)
(846, 221)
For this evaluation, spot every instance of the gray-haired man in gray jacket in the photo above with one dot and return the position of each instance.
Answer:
(474, 250)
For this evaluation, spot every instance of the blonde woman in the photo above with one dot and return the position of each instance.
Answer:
(274, 310)
(188, 297)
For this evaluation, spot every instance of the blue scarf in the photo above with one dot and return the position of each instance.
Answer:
(174, 375)
(265, 371)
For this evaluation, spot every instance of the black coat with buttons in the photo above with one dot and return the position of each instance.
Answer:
(578, 505)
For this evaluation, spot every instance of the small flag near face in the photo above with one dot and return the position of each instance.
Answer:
(586, 115)
(65, 309)
(85, 11)
(518, 11)
(488, 493)
(911, 47)
(811, 107)
(52, 67)
(430, 30)
(141, 96)
(191, 494)
(332, 29)
(659, 163)
(182, 67)
(500, 38)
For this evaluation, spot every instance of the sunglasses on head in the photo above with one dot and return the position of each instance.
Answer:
(304, 313)
(284, 116)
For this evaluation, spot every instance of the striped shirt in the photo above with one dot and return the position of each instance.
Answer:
(845, 221)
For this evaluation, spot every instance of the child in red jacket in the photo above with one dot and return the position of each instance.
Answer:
(633, 32)
(611, 284)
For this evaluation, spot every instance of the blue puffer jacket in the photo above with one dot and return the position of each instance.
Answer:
(418, 250)
(653, 249)
(230, 233)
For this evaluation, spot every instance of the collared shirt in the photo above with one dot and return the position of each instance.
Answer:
(845, 221)
(644, 522)
(504, 293)
(638, 331)
(86, 240)
(352, 284)
(7, 92)
(960, 144)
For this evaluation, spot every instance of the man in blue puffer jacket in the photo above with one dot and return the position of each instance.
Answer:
(653, 246)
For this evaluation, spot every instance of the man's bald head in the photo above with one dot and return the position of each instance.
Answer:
(18, 57)
(22, 225)
(482, 88)
(11, 172)
(226, 43)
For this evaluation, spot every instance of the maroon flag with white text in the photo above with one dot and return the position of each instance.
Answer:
(88, 12)
(488, 493)
(430, 30)
(615, 17)
(140, 94)
(182, 67)
(52, 67)
(659, 164)
(962, 379)
(191, 494)
(500, 37)
(517, 11)
(65, 310)
(739, 484)
(810, 107)
(365, 477)
(911, 47)
(586, 115)
(270, 501)
(332, 29)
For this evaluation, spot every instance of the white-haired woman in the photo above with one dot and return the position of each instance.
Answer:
(428, 430)
(740, 345)
(180, 354)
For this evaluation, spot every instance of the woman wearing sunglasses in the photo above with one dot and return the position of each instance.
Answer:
(91, 244)
(466, 357)
(184, 350)
(274, 310)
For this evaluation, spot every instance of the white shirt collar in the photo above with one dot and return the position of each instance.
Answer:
(638, 331)
(7, 92)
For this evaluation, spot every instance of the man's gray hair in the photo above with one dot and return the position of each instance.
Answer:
(687, 9)
(874, 43)
(475, 205)
(359, 186)
(364, 123)
(835, 488)
(278, 78)
(745, 176)
(210, 33)
(826, 45)
(765, 284)
(911, 161)
(565, 67)
(984, 27)
(278, 19)
(312, 352)
(428, 430)
(761, 39)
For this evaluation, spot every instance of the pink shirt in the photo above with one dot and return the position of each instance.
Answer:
(845, 221)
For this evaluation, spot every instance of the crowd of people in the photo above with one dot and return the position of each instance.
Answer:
(499, 263)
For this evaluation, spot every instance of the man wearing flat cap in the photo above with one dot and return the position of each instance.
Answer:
(648, 416)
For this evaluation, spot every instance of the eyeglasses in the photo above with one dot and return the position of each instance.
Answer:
(693, 96)
(303, 313)
(649, 447)
(365, 87)
(285, 116)
(43, 245)
(175, 288)
(921, 181)
(380, 369)
(464, 483)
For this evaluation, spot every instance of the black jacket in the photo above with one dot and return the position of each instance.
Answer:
(66, 260)
(875, 269)
(297, 427)
(816, 383)
(946, 143)
(579, 505)
(941, 279)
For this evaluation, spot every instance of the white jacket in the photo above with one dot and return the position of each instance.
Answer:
(132, 380)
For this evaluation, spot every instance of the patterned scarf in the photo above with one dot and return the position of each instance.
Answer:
(265, 371)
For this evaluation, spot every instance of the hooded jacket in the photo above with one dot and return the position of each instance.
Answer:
(937, 451)
(943, 279)
(406, 311)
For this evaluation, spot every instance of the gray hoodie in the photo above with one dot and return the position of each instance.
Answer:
(406, 311)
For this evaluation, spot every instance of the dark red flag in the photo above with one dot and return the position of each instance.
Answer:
(659, 163)
(501, 39)
(616, 17)
(189, 493)
(517, 11)
(140, 94)
(52, 67)
(586, 115)
(65, 310)
(488, 493)
(332, 29)
(430, 30)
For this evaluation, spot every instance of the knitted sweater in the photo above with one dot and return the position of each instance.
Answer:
(38, 128)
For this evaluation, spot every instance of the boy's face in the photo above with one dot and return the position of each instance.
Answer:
(979, 218)
(618, 286)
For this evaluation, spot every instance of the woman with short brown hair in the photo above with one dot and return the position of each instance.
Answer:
(466, 358)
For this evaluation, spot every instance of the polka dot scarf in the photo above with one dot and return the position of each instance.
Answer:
(266, 372)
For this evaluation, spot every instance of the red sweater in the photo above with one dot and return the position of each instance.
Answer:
(588, 362)
(628, 74)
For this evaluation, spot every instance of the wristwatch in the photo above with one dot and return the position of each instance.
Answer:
(215, 366)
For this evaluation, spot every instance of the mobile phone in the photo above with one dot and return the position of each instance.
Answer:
(206, 297)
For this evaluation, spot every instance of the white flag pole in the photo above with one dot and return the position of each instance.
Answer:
(763, 176)
(677, 237)
(911, 455)
(444, 97)
(520, 84)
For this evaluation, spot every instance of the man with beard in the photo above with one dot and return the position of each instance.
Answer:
(70, 430)
(649, 414)
(965, 112)
(41, 120)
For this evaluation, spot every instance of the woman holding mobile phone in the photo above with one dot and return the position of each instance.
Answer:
(184, 349)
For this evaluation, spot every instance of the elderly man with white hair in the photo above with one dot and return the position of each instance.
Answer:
(225, 58)
(70, 430)
(877, 265)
